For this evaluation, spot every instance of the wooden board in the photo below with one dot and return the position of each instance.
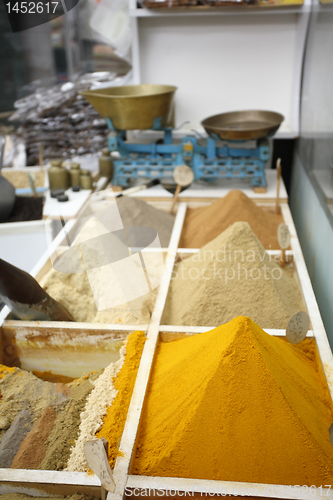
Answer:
(41, 483)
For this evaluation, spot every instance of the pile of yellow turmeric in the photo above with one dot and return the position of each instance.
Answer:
(236, 404)
(115, 418)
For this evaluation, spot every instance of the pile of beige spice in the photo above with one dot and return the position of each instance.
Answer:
(230, 276)
(73, 290)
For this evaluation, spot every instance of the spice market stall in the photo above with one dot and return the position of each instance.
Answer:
(236, 349)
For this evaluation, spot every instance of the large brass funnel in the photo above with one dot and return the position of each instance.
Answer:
(134, 107)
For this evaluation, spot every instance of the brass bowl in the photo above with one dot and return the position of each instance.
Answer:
(243, 125)
(134, 107)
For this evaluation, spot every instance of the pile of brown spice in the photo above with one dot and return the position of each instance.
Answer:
(203, 224)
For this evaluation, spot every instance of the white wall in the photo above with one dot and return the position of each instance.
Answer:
(225, 62)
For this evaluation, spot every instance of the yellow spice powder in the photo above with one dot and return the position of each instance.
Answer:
(236, 404)
(115, 419)
(5, 370)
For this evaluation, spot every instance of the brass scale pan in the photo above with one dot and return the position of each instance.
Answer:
(243, 125)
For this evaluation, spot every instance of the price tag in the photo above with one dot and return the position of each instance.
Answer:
(330, 431)
(97, 460)
(283, 235)
(183, 175)
(297, 327)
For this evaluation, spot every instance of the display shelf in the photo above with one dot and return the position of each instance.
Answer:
(222, 11)
(42, 482)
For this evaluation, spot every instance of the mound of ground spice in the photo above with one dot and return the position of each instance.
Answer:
(107, 405)
(23, 400)
(236, 404)
(39, 420)
(231, 276)
(114, 422)
(74, 290)
(203, 224)
(66, 426)
(136, 212)
(33, 447)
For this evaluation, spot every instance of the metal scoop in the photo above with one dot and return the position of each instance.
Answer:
(7, 191)
(26, 298)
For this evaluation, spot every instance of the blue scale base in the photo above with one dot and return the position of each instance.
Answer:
(208, 159)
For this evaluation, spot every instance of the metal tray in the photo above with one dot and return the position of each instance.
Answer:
(243, 125)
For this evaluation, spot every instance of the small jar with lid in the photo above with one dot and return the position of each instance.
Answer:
(75, 174)
(105, 164)
(56, 162)
(85, 179)
(58, 175)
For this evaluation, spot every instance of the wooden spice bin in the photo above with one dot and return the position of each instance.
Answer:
(128, 485)
(58, 346)
(173, 487)
(133, 485)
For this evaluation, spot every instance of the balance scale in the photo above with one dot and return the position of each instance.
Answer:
(237, 145)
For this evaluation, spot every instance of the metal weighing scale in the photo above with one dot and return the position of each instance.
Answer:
(225, 154)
